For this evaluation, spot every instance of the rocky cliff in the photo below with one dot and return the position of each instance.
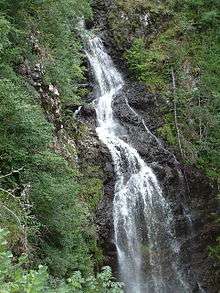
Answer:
(192, 194)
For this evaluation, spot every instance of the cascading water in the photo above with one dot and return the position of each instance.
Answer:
(143, 222)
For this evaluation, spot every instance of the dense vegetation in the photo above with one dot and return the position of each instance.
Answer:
(175, 44)
(173, 47)
(13, 278)
(45, 203)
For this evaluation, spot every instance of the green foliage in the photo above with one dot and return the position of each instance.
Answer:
(25, 138)
(129, 19)
(188, 43)
(102, 283)
(92, 191)
(184, 41)
(214, 250)
(147, 64)
(167, 131)
(43, 200)
(15, 279)
(65, 220)
(23, 126)
(23, 132)
(62, 56)
(51, 28)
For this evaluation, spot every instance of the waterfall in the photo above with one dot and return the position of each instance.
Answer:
(148, 251)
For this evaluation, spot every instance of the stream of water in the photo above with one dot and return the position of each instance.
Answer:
(148, 252)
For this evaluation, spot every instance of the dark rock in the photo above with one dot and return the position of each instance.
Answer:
(35, 76)
(88, 111)
(92, 152)
(87, 115)
(190, 193)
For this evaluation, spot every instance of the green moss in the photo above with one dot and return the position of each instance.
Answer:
(17, 277)
(57, 212)
(148, 65)
(92, 191)
(188, 44)
(167, 132)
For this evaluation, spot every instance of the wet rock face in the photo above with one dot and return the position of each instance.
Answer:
(91, 152)
(120, 22)
(191, 194)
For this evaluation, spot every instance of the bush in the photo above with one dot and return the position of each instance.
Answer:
(14, 278)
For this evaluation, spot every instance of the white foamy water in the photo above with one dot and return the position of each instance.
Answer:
(148, 252)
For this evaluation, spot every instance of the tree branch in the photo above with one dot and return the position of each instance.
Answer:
(8, 192)
(14, 215)
(200, 122)
(175, 113)
(12, 172)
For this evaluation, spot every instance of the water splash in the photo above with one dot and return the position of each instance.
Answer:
(148, 252)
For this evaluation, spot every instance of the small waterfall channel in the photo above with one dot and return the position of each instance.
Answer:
(148, 251)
